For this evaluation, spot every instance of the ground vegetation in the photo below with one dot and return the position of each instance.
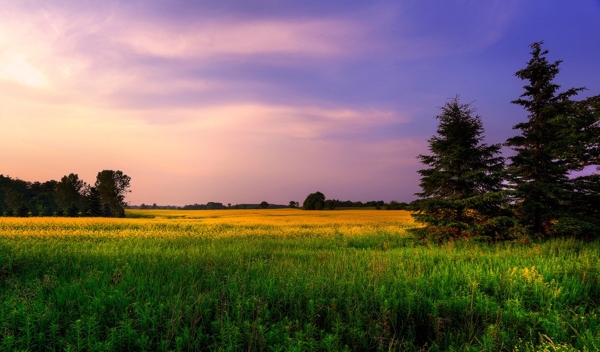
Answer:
(287, 279)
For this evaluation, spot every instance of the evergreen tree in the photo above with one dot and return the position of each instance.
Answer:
(539, 170)
(462, 186)
(93, 202)
(579, 147)
(579, 142)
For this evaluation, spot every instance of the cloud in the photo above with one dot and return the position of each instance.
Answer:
(227, 38)
(15, 67)
(225, 106)
(110, 55)
(214, 154)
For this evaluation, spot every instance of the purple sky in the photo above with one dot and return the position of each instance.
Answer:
(244, 101)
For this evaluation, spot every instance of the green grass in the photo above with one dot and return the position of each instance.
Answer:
(246, 287)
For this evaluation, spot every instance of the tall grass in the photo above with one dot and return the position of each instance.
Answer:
(287, 280)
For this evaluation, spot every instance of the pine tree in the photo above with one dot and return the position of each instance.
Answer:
(93, 202)
(462, 186)
(579, 147)
(539, 170)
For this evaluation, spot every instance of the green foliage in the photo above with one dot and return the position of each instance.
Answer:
(113, 186)
(314, 201)
(463, 193)
(92, 290)
(69, 194)
(329, 204)
(107, 211)
(17, 202)
(462, 186)
(69, 197)
(264, 205)
(93, 202)
(560, 136)
(395, 205)
(578, 142)
(209, 205)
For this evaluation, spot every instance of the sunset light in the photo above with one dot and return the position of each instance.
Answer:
(200, 101)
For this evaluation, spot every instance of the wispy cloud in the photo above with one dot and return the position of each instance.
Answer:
(227, 38)
(229, 103)
(108, 54)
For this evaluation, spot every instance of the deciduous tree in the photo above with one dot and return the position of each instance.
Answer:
(69, 194)
(113, 186)
(314, 201)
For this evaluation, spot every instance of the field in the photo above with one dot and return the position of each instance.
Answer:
(286, 280)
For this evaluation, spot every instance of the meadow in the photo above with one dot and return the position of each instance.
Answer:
(287, 280)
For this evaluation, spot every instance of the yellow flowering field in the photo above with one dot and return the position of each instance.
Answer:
(287, 280)
(284, 223)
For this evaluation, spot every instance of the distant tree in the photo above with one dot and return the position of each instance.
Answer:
(348, 204)
(106, 211)
(69, 194)
(93, 202)
(113, 186)
(214, 205)
(330, 204)
(264, 204)
(154, 206)
(395, 205)
(21, 198)
(43, 201)
(463, 175)
(314, 201)
(194, 206)
(375, 203)
(293, 204)
(17, 203)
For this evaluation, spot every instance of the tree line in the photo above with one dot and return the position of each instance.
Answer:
(317, 201)
(470, 190)
(319, 204)
(70, 196)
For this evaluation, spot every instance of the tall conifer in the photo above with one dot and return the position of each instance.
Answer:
(539, 171)
(462, 184)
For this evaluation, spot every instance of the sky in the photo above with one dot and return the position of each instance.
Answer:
(266, 100)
